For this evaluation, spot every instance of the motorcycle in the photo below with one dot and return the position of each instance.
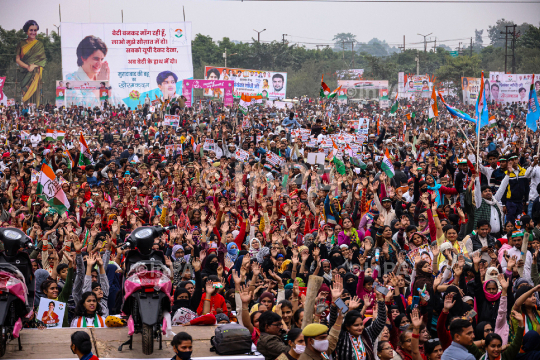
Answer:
(16, 278)
(147, 288)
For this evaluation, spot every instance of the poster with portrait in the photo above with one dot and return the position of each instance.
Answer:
(171, 120)
(509, 88)
(363, 126)
(470, 87)
(425, 253)
(269, 84)
(209, 145)
(51, 313)
(140, 60)
(241, 155)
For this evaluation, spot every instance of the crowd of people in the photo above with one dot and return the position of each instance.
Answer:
(416, 234)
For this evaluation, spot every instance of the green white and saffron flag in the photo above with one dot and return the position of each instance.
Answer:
(245, 101)
(54, 135)
(85, 158)
(395, 105)
(340, 166)
(387, 166)
(50, 190)
(334, 93)
(325, 90)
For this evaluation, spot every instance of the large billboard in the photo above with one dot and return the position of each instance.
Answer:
(138, 60)
(271, 85)
(413, 86)
(470, 87)
(351, 74)
(366, 89)
(509, 88)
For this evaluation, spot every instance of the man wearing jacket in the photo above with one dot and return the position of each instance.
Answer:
(517, 189)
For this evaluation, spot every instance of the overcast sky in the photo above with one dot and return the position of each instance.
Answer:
(311, 22)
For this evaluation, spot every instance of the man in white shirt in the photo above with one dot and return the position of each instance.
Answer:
(515, 241)
(35, 138)
(533, 173)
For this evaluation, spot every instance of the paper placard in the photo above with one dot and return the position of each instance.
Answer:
(171, 120)
(241, 155)
(315, 158)
(51, 313)
(209, 145)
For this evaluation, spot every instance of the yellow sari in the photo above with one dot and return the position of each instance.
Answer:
(32, 52)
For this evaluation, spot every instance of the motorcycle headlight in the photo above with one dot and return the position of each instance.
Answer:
(143, 233)
(12, 235)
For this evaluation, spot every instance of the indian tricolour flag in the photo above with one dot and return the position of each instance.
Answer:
(433, 110)
(69, 159)
(50, 190)
(256, 100)
(54, 135)
(325, 90)
(85, 158)
(245, 102)
(387, 166)
(334, 93)
(492, 122)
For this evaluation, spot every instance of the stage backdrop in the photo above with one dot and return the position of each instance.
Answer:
(139, 60)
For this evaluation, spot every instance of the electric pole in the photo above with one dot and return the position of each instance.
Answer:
(352, 49)
(402, 47)
(459, 48)
(284, 37)
(471, 46)
(343, 49)
(506, 33)
(514, 50)
(259, 35)
(417, 59)
(435, 46)
(225, 56)
(425, 43)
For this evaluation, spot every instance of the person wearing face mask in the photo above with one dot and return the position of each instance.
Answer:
(296, 341)
(319, 342)
(81, 345)
(182, 344)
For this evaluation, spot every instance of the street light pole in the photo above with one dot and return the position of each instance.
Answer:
(259, 34)
(225, 56)
(425, 43)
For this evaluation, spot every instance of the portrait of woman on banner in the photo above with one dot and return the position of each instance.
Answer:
(30, 56)
(50, 318)
(91, 53)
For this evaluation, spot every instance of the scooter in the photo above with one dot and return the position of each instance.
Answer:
(147, 288)
(15, 278)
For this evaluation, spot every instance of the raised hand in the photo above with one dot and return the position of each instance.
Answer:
(368, 300)
(503, 281)
(448, 302)
(416, 319)
(196, 263)
(337, 288)
(476, 258)
(209, 287)
(354, 303)
(518, 317)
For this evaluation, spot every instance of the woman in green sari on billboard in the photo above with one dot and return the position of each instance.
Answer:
(31, 60)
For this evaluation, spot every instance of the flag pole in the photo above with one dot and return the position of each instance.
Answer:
(460, 128)
(478, 145)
